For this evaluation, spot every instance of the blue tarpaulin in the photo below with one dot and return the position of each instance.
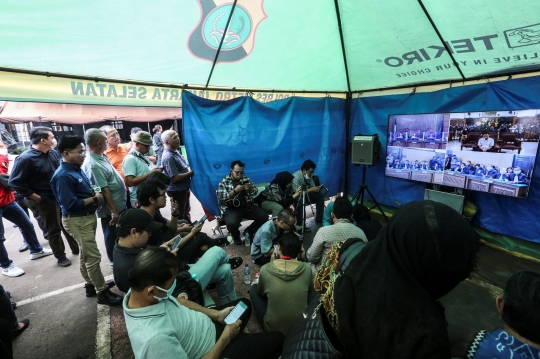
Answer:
(268, 138)
(500, 214)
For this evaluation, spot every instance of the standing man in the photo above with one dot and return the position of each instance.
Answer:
(158, 144)
(78, 202)
(175, 166)
(116, 151)
(136, 165)
(30, 178)
(102, 174)
(235, 199)
(304, 177)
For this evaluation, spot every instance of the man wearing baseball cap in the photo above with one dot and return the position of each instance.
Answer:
(136, 166)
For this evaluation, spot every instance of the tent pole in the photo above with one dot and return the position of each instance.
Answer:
(448, 50)
(150, 132)
(221, 43)
(348, 98)
(348, 103)
(83, 129)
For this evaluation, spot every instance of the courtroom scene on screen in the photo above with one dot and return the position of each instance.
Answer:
(492, 151)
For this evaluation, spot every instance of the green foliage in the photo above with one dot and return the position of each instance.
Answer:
(17, 150)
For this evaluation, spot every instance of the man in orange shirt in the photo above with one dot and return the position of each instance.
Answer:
(116, 151)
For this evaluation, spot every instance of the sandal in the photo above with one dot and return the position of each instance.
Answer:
(235, 262)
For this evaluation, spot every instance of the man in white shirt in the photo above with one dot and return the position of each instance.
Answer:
(485, 143)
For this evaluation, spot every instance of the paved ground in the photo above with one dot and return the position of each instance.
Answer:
(64, 323)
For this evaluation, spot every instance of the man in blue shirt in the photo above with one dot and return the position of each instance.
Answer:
(266, 237)
(78, 203)
(175, 166)
(30, 178)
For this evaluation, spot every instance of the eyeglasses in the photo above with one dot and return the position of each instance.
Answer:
(82, 153)
(289, 226)
(239, 173)
(161, 195)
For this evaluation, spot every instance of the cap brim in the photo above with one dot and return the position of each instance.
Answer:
(155, 226)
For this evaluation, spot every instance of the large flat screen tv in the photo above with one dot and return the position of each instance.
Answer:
(491, 152)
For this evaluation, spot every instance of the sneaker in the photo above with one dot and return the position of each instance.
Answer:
(64, 262)
(12, 271)
(44, 253)
(235, 262)
(109, 298)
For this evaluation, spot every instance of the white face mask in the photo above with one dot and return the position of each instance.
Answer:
(517, 172)
(3, 151)
(306, 176)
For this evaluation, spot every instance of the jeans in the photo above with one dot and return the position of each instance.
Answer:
(316, 198)
(214, 267)
(83, 229)
(233, 218)
(50, 212)
(272, 207)
(109, 235)
(182, 197)
(14, 213)
(21, 202)
(266, 345)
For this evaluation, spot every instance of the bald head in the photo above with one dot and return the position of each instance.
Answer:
(170, 139)
(96, 140)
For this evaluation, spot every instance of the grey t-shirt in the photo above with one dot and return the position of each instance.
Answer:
(135, 164)
(102, 174)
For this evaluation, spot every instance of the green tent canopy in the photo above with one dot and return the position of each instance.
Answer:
(325, 45)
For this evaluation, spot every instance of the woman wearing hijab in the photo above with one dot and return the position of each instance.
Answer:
(279, 195)
(386, 302)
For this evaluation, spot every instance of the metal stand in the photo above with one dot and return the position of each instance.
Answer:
(302, 203)
(360, 194)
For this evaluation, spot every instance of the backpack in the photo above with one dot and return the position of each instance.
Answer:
(188, 288)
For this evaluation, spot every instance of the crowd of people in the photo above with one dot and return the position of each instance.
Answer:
(162, 265)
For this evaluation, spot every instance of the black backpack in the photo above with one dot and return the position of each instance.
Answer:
(187, 287)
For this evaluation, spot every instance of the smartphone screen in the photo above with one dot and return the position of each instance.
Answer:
(202, 219)
(235, 314)
(176, 243)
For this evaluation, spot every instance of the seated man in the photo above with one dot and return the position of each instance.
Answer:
(284, 287)
(151, 198)
(133, 231)
(303, 177)
(362, 217)
(262, 247)
(341, 230)
(161, 326)
(235, 198)
(517, 177)
(492, 173)
(519, 308)
(485, 143)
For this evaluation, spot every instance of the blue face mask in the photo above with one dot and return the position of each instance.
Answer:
(169, 292)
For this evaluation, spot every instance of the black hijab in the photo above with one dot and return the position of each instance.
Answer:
(386, 304)
(283, 179)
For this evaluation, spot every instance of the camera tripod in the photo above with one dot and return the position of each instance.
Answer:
(360, 194)
(303, 204)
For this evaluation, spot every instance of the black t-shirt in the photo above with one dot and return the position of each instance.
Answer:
(165, 234)
(123, 259)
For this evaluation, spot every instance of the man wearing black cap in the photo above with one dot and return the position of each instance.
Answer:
(133, 231)
(136, 166)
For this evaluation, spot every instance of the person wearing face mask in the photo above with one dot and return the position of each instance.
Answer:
(517, 176)
(162, 326)
(78, 202)
(492, 173)
(10, 210)
(235, 199)
(303, 177)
